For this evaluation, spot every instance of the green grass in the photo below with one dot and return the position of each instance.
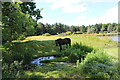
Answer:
(39, 46)
(45, 45)
(112, 51)
(55, 70)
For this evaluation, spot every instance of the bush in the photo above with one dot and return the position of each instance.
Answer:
(98, 64)
(76, 52)
(65, 34)
(82, 47)
(46, 34)
(12, 52)
(14, 70)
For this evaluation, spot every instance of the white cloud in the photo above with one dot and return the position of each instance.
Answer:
(67, 6)
(77, 6)
(110, 16)
(52, 20)
(74, 8)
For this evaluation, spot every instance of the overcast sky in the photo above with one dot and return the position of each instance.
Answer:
(78, 12)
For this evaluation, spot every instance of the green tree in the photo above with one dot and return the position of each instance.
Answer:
(110, 28)
(89, 29)
(30, 8)
(16, 24)
(98, 28)
(82, 29)
(104, 27)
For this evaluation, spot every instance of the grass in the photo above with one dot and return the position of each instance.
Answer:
(58, 68)
(45, 45)
(112, 51)
(55, 70)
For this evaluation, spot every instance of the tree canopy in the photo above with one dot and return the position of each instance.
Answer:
(19, 19)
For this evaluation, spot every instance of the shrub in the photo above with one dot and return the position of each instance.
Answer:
(66, 52)
(65, 34)
(14, 70)
(82, 47)
(68, 32)
(76, 52)
(46, 34)
(12, 52)
(98, 64)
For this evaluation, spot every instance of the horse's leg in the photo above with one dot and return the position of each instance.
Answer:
(66, 45)
(60, 47)
(70, 44)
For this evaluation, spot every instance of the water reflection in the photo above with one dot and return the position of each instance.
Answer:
(37, 61)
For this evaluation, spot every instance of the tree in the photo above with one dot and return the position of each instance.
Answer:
(16, 24)
(110, 28)
(104, 27)
(30, 8)
(98, 28)
(89, 29)
(83, 29)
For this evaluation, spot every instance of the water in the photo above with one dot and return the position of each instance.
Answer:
(37, 61)
(115, 38)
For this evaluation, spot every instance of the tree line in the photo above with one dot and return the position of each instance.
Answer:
(58, 28)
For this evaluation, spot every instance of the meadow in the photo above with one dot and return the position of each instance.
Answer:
(110, 46)
(67, 63)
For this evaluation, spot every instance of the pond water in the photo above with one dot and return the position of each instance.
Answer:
(37, 61)
(115, 38)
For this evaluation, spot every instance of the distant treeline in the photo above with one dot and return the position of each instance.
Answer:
(58, 28)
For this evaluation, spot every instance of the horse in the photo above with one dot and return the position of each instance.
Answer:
(65, 41)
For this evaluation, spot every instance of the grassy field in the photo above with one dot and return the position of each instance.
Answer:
(60, 67)
(109, 45)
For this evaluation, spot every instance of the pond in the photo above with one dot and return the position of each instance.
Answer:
(115, 38)
(37, 61)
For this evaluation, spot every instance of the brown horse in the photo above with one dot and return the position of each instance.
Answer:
(65, 41)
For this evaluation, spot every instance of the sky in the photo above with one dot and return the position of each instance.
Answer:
(78, 12)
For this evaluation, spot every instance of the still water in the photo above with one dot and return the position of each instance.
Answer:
(37, 61)
(115, 38)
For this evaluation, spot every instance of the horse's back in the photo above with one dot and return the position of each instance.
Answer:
(63, 41)
(68, 39)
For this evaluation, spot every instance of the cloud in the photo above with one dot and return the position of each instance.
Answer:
(74, 8)
(67, 6)
(78, 6)
(110, 16)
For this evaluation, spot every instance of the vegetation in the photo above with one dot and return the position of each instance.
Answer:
(58, 28)
(60, 67)
(17, 20)
(98, 64)
(21, 44)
